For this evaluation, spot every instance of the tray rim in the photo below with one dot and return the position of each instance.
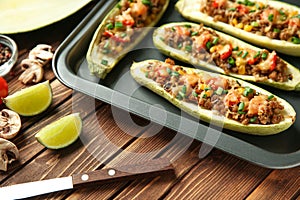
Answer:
(241, 149)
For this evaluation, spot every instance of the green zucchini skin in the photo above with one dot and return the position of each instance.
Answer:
(137, 73)
(190, 10)
(94, 56)
(293, 84)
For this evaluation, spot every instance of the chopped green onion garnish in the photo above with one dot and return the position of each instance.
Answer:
(183, 89)
(276, 30)
(146, 74)
(123, 35)
(194, 33)
(106, 44)
(215, 41)
(241, 112)
(257, 55)
(146, 2)
(173, 29)
(104, 62)
(252, 11)
(295, 40)
(235, 48)
(248, 91)
(169, 70)
(188, 48)
(207, 88)
(119, 6)
(109, 26)
(195, 93)
(179, 46)
(232, 9)
(208, 45)
(225, 91)
(188, 26)
(245, 54)
(255, 24)
(239, 53)
(296, 16)
(283, 17)
(281, 12)
(118, 24)
(264, 55)
(174, 73)
(270, 17)
(253, 119)
(179, 96)
(241, 106)
(231, 60)
(219, 91)
(270, 97)
(204, 96)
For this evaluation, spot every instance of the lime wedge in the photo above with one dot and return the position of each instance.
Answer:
(60, 133)
(31, 100)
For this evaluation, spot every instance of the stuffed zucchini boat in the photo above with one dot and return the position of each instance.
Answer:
(245, 107)
(122, 29)
(271, 24)
(216, 51)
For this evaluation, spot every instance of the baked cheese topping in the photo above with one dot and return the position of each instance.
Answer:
(224, 96)
(208, 46)
(256, 17)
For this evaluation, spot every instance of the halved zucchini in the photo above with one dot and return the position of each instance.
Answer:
(190, 9)
(138, 73)
(121, 29)
(181, 54)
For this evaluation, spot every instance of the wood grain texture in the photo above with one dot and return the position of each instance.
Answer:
(107, 141)
(280, 184)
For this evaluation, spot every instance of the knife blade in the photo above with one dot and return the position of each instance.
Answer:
(148, 169)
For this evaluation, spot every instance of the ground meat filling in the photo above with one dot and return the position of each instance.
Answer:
(125, 25)
(225, 97)
(206, 45)
(256, 17)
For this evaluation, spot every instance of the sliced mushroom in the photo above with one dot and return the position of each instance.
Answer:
(8, 153)
(38, 57)
(42, 53)
(10, 124)
(34, 72)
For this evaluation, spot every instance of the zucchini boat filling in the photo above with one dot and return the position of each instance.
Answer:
(256, 17)
(123, 27)
(206, 45)
(224, 96)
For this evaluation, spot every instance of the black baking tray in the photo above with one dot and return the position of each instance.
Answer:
(119, 89)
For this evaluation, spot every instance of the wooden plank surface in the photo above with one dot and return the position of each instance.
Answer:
(106, 142)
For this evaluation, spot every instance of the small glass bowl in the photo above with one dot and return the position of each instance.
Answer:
(6, 67)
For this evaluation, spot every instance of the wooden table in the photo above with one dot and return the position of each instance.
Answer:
(217, 176)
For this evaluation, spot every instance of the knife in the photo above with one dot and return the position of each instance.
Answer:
(156, 167)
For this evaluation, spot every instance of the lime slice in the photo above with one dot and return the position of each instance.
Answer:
(31, 100)
(60, 133)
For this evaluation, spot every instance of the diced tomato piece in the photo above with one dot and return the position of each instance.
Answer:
(243, 9)
(226, 51)
(119, 39)
(215, 4)
(252, 61)
(108, 34)
(182, 31)
(219, 3)
(294, 22)
(128, 22)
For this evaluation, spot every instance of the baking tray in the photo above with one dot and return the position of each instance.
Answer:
(119, 89)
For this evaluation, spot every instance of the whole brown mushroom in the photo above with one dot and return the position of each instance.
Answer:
(8, 153)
